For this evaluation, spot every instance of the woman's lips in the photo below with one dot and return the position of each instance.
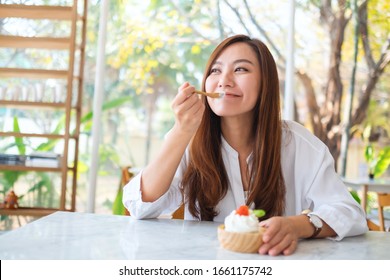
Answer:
(231, 94)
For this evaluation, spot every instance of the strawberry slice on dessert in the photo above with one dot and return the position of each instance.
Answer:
(243, 210)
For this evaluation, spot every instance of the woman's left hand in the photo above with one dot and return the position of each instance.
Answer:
(280, 237)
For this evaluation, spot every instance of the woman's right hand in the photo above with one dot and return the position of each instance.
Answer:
(188, 109)
(158, 175)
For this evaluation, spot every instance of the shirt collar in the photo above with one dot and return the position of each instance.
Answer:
(232, 152)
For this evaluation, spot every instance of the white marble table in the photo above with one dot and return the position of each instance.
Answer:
(373, 185)
(368, 185)
(78, 236)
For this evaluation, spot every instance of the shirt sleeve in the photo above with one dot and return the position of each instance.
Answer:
(313, 183)
(164, 205)
(332, 202)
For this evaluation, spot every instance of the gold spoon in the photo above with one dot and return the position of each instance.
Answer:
(211, 94)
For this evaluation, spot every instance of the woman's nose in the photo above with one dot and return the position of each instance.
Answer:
(225, 80)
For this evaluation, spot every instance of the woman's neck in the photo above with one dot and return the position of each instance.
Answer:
(238, 133)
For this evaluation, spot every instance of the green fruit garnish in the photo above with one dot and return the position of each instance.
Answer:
(259, 213)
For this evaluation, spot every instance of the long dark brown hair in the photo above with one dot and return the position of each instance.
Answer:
(205, 182)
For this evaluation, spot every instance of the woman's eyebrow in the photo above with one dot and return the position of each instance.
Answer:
(241, 60)
(216, 63)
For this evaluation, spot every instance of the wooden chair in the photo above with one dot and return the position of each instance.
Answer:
(372, 226)
(179, 213)
(126, 177)
(383, 201)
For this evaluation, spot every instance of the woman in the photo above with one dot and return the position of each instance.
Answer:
(223, 153)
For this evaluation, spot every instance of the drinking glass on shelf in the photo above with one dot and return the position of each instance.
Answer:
(58, 93)
(39, 90)
(25, 93)
(16, 93)
(3, 92)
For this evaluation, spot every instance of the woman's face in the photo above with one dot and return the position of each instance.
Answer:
(237, 73)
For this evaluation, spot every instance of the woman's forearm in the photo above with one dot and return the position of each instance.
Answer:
(158, 175)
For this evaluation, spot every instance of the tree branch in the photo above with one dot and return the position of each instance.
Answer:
(264, 33)
(189, 23)
(326, 13)
(235, 11)
(364, 33)
(375, 68)
(372, 79)
(220, 25)
(334, 85)
(314, 109)
(384, 59)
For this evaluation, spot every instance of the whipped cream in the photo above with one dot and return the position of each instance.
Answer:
(241, 223)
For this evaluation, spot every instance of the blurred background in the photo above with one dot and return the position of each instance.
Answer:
(341, 55)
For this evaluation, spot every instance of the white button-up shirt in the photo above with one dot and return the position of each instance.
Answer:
(309, 175)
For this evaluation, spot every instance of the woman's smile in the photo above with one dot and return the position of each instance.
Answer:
(232, 95)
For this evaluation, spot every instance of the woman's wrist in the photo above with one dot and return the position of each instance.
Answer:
(302, 226)
(178, 131)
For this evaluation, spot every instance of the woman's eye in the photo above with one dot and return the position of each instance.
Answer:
(214, 70)
(241, 69)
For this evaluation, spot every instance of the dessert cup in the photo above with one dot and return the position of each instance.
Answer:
(242, 242)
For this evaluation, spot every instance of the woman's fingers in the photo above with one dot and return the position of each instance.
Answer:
(272, 229)
(279, 237)
(185, 91)
(291, 248)
(286, 245)
(188, 108)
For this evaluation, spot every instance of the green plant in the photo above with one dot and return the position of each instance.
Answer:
(377, 162)
(41, 184)
(375, 125)
(355, 196)
(10, 177)
(117, 207)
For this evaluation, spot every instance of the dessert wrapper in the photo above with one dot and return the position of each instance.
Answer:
(242, 242)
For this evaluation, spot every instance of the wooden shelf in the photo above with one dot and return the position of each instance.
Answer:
(34, 42)
(8, 167)
(36, 12)
(29, 211)
(28, 104)
(74, 87)
(32, 135)
(33, 73)
(13, 167)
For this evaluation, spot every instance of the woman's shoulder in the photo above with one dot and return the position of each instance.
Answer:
(300, 135)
